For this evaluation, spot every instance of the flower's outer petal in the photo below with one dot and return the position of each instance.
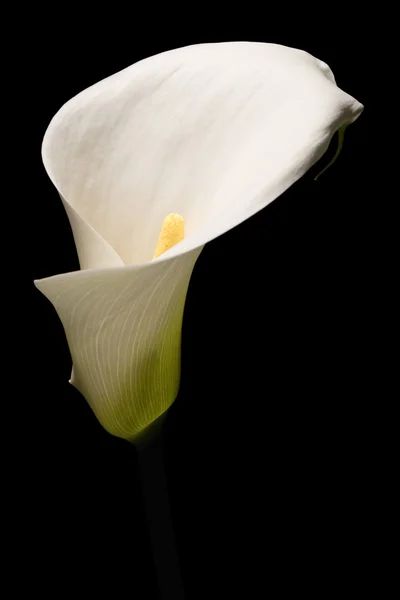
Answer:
(213, 132)
(93, 250)
(123, 327)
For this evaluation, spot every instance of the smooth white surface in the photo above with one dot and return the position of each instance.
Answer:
(213, 132)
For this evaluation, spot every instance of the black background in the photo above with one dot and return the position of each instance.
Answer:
(264, 447)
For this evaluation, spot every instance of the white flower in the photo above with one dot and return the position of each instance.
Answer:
(214, 132)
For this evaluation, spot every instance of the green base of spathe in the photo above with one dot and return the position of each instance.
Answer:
(147, 436)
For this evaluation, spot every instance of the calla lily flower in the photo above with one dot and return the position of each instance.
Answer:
(210, 132)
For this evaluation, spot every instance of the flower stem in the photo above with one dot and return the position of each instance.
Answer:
(159, 522)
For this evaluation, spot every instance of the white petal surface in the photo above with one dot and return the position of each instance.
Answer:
(213, 132)
(93, 251)
(123, 327)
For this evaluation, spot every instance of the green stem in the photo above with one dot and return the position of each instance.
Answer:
(159, 522)
(341, 131)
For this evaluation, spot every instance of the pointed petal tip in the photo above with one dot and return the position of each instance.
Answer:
(358, 108)
(36, 283)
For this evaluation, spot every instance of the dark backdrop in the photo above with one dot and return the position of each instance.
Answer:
(263, 447)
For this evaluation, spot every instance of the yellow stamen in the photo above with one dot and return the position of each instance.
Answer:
(172, 232)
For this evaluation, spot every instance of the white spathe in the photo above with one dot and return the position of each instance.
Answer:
(214, 132)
